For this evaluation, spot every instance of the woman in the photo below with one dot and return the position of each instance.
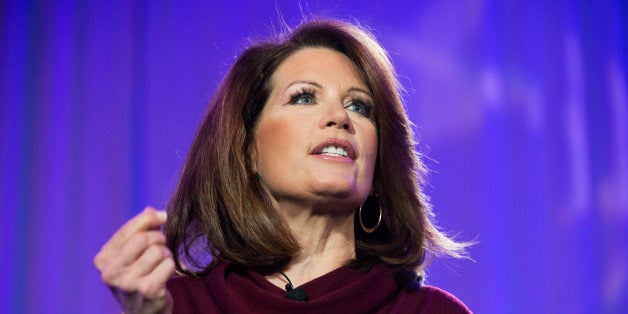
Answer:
(302, 174)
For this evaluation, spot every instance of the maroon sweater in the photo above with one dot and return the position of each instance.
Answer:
(344, 290)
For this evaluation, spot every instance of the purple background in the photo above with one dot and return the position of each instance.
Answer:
(520, 106)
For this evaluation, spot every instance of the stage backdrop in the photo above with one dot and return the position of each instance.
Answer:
(520, 108)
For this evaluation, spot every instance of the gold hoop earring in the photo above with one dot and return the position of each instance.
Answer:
(379, 218)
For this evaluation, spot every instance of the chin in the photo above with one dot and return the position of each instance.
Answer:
(346, 192)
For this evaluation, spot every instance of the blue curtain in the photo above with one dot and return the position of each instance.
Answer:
(520, 108)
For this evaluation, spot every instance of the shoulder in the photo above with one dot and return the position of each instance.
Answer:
(185, 287)
(188, 283)
(436, 300)
(192, 294)
(425, 299)
(178, 282)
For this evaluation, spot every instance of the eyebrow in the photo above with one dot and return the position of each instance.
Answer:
(305, 82)
(313, 83)
(357, 89)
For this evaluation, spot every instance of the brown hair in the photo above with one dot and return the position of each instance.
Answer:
(219, 205)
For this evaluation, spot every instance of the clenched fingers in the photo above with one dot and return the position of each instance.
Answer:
(149, 261)
(153, 284)
(147, 220)
(136, 263)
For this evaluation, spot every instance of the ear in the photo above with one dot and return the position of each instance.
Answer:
(373, 192)
(252, 156)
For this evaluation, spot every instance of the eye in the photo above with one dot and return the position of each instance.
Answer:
(303, 97)
(361, 106)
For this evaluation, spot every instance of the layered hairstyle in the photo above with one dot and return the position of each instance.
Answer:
(220, 206)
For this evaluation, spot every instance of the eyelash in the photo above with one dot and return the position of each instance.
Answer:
(304, 92)
(366, 104)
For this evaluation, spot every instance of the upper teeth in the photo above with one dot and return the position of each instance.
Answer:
(333, 150)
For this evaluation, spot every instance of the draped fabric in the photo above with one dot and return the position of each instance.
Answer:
(520, 110)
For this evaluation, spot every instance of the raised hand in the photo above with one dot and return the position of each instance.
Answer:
(135, 263)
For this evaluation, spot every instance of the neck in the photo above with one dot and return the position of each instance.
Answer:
(327, 242)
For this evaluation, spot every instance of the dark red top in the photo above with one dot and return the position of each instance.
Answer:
(344, 290)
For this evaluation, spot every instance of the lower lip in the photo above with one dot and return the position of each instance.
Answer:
(334, 158)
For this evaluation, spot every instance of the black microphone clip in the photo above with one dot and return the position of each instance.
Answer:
(295, 294)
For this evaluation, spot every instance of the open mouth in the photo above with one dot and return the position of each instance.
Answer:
(335, 147)
(334, 151)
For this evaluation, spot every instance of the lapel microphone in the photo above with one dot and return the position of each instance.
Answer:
(295, 294)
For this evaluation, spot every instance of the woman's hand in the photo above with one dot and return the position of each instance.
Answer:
(135, 263)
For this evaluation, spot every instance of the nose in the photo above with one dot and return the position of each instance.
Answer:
(336, 115)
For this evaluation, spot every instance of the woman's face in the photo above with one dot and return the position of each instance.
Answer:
(316, 140)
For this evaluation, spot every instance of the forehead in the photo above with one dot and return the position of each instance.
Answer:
(322, 65)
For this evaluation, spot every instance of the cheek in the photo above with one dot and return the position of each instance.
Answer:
(371, 146)
(271, 138)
